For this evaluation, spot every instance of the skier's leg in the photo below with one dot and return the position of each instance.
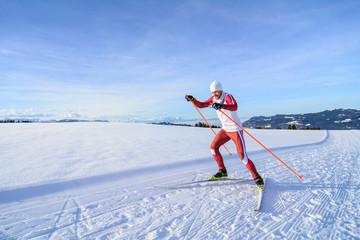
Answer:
(220, 139)
(239, 140)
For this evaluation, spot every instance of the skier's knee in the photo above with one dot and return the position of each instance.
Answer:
(214, 147)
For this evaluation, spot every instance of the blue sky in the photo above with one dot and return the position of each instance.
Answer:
(122, 60)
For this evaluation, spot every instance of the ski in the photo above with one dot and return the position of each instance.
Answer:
(202, 183)
(260, 198)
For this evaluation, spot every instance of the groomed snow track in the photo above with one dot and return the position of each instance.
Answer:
(324, 205)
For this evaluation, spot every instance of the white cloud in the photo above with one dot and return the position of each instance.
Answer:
(8, 52)
(72, 115)
(28, 113)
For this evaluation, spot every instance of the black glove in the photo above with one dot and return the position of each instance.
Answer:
(189, 98)
(217, 106)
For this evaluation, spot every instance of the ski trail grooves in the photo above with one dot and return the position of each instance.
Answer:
(197, 214)
(320, 203)
(68, 220)
(58, 219)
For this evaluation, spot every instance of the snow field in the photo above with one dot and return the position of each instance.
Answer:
(96, 181)
(91, 149)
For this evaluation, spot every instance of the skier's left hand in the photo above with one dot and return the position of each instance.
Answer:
(217, 106)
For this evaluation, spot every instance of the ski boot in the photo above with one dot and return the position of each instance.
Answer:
(222, 174)
(259, 182)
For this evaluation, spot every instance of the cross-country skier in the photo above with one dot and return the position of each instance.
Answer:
(226, 102)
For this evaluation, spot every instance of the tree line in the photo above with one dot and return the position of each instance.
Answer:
(293, 127)
(14, 121)
(202, 124)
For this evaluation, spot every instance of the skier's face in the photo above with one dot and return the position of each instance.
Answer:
(217, 94)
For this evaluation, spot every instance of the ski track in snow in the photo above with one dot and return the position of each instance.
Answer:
(324, 205)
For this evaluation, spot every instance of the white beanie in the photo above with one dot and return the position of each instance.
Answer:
(215, 86)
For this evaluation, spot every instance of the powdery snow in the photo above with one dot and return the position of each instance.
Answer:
(96, 181)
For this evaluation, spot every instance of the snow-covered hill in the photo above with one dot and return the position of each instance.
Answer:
(96, 181)
(336, 119)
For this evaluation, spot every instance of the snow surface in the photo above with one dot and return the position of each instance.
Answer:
(96, 181)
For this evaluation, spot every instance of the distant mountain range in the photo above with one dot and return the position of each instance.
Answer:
(337, 119)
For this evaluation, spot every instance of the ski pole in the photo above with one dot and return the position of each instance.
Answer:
(260, 143)
(208, 124)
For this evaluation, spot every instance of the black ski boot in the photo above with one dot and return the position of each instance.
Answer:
(259, 182)
(222, 174)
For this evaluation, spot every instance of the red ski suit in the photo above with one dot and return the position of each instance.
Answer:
(229, 131)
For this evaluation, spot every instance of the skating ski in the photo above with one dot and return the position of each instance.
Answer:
(260, 198)
(203, 183)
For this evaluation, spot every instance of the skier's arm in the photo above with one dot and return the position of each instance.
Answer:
(230, 103)
(202, 104)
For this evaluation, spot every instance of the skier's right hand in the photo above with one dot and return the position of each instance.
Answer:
(189, 98)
